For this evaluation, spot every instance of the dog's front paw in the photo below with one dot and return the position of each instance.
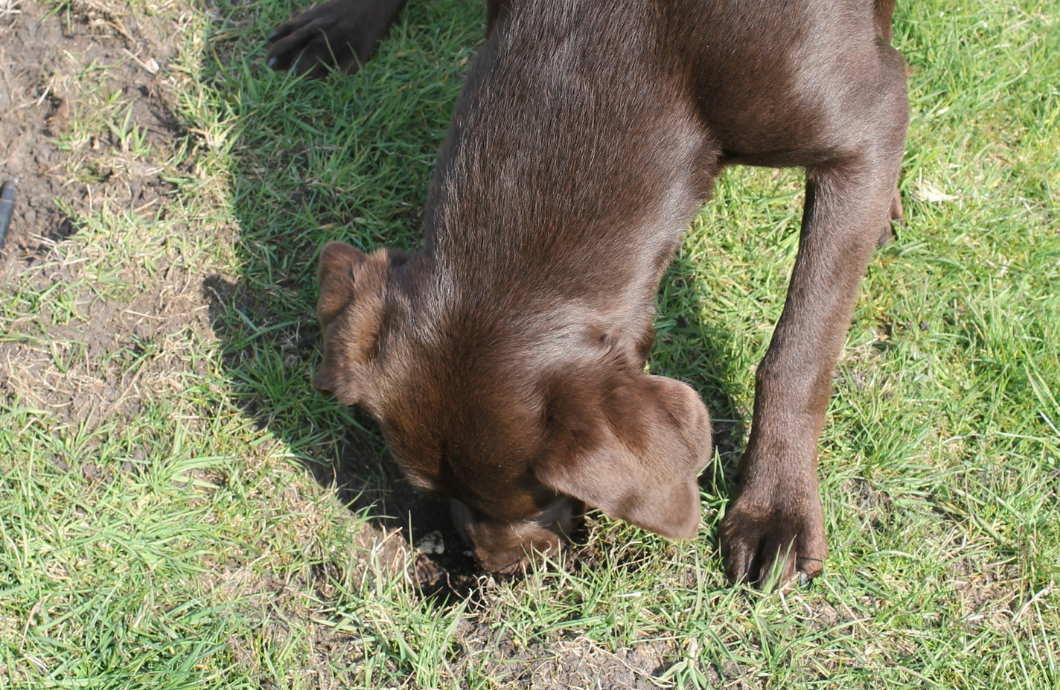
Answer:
(340, 34)
(770, 534)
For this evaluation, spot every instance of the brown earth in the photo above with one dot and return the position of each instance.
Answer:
(39, 71)
(46, 64)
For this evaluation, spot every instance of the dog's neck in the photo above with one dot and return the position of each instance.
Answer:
(560, 194)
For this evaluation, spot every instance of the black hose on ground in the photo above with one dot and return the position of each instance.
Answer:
(7, 207)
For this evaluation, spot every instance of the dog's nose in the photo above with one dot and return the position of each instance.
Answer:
(507, 547)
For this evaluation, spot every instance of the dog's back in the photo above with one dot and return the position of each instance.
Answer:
(573, 156)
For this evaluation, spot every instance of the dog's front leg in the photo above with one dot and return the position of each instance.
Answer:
(776, 519)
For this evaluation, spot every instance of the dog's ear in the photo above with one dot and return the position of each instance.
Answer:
(337, 272)
(350, 310)
(632, 449)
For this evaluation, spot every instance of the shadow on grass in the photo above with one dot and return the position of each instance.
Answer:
(344, 158)
(350, 159)
(700, 353)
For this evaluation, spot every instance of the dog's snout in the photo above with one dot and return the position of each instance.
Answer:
(508, 546)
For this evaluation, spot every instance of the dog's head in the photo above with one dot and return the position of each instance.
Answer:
(519, 419)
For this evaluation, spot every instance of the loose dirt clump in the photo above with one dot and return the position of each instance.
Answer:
(570, 663)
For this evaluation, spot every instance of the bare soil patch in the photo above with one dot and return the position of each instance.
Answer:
(73, 349)
(45, 52)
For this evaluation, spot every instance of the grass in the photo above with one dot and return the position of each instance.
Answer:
(166, 514)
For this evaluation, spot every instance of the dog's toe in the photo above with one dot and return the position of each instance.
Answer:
(769, 545)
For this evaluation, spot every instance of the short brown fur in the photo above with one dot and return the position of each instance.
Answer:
(505, 359)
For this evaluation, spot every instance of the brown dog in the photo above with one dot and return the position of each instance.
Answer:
(505, 360)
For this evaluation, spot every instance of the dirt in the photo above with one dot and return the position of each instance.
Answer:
(575, 662)
(29, 49)
(41, 56)
(90, 370)
(335, 657)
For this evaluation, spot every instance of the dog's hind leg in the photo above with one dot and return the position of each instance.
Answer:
(495, 11)
(882, 12)
(338, 34)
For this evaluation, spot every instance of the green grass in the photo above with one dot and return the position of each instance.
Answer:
(160, 521)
